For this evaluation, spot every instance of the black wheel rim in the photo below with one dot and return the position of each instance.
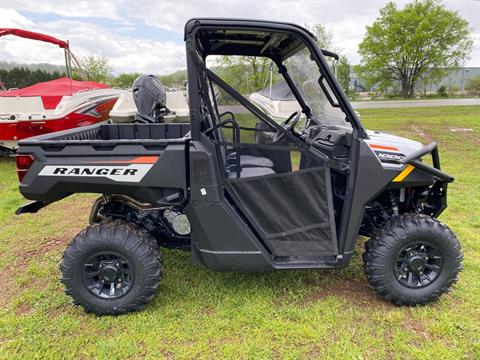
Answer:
(418, 265)
(108, 275)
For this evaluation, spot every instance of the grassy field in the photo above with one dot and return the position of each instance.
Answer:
(201, 314)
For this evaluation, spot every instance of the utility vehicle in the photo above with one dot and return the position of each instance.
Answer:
(297, 197)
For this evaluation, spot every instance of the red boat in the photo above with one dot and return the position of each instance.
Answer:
(53, 105)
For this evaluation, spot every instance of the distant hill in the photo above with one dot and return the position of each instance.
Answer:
(48, 68)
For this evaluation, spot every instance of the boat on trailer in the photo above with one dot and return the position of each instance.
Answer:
(53, 105)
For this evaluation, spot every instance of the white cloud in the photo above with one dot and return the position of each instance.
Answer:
(347, 37)
(346, 18)
(173, 15)
(126, 54)
(12, 19)
(119, 33)
(70, 8)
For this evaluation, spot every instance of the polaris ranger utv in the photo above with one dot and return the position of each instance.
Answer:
(298, 199)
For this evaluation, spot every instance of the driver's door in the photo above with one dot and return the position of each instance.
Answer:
(281, 187)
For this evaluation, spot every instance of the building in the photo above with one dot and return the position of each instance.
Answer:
(456, 80)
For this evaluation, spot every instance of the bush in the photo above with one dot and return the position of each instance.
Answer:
(442, 91)
(473, 85)
(452, 90)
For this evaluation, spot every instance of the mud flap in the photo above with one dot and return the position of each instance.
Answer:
(32, 207)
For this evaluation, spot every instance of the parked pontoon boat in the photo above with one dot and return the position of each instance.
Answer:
(53, 105)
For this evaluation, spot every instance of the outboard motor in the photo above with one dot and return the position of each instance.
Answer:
(150, 98)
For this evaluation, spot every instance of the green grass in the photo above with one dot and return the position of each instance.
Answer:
(201, 314)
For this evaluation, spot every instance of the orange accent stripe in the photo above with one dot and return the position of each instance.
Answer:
(383, 147)
(137, 160)
(404, 173)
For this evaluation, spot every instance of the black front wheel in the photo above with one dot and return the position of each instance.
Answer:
(412, 259)
(112, 268)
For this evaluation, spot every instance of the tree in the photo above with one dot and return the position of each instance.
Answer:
(97, 68)
(175, 79)
(323, 35)
(324, 40)
(249, 73)
(125, 81)
(344, 74)
(246, 74)
(402, 45)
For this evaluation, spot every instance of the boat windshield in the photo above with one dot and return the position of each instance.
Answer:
(307, 77)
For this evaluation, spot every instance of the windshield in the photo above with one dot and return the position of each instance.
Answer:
(305, 74)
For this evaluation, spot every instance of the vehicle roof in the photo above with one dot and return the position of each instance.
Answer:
(242, 22)
(221, 36)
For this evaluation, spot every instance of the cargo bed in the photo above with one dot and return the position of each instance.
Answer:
(117, 132)
(145, 161)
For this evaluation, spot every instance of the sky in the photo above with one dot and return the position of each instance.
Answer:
(147, 36)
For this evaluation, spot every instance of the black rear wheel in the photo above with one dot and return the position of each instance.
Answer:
(412, 259)
(108, 274)
(112, 268)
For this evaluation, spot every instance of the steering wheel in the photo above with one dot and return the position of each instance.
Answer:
(288, 125)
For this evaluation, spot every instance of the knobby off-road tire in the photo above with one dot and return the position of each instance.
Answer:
(413, 259)
(107, 253)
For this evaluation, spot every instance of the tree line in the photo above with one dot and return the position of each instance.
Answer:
(20, 77)
(96, 68)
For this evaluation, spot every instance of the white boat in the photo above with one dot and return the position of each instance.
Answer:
(277, 101)
(125, 109)
(52, 105)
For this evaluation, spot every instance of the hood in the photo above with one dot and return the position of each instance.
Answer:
(389, 147)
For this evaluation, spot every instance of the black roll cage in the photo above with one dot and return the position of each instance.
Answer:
(194, 26)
